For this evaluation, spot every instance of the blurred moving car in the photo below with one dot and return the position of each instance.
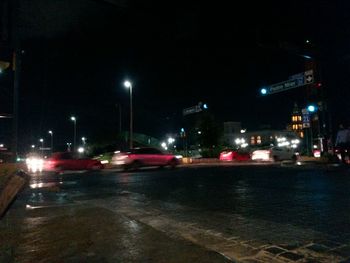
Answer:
(34, 163)
(273, 153)
(67, 161)
(140, 157)
(230, 155)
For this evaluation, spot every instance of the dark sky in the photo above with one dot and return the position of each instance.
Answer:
(77, 54)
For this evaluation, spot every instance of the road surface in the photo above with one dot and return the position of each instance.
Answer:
(218, 213)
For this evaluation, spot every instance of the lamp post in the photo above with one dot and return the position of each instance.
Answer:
(84, 140)
(128, 85)
(51, 133)
(42, 146)
(75, 131)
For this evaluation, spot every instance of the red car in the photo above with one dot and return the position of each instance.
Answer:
(230, 155)
(139, 157)
(67, 161)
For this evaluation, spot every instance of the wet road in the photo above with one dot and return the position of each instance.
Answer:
(306, 209)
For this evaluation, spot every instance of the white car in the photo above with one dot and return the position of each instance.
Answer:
(274, 153)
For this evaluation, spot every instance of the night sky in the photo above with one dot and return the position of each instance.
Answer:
(78, 53)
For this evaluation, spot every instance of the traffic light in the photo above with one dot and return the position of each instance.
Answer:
(318, 84)
(312, 108)
(263, 91)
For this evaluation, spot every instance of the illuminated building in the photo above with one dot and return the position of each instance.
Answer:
(297, 122)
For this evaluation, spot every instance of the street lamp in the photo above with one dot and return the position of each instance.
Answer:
(75, 131)
(42, 145)
(128, 85)
(51, 133)
(84, 140)
(68, 146)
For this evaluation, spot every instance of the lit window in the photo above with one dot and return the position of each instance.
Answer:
(299, 118)
(300, 126)
(252, 140)
(301, 134)
(258, 140)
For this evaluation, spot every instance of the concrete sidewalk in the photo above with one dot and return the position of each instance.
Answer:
(83, 233)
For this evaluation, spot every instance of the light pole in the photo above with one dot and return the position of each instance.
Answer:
(51, 133)
(68, 146)
(84, 140)
(75, 132)
(128, 85)
(42, 146)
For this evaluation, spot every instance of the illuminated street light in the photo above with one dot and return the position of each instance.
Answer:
(51, 133)
(33, 146)
(171, 140)
(84, 140)
(68, 146)
(42, 145)
(128, 85)
(1, 145)
(81, 149)
(74, 119)
(263, 91)
(243, 130)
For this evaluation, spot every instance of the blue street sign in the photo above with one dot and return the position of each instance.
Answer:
(306, 118)
(293, 81)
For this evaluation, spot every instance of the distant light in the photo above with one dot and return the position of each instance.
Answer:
(307, 41)
(306, 56)
(263, 91)
(73, 118)
(199, 132)
(311, 108)
(33, 146)
(104, 161)
(41, 140)
(243, 145)
(81, 149)
(1, 145)
(83, 139)
(127, 84)
(205, 106)
(182, 130)
(296, 141)
(243, 130)
(50, 132)
(317, 153)
(171, 140)
(163, 144)
(315, 146)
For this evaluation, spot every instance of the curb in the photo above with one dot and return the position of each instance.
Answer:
(12, 187)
